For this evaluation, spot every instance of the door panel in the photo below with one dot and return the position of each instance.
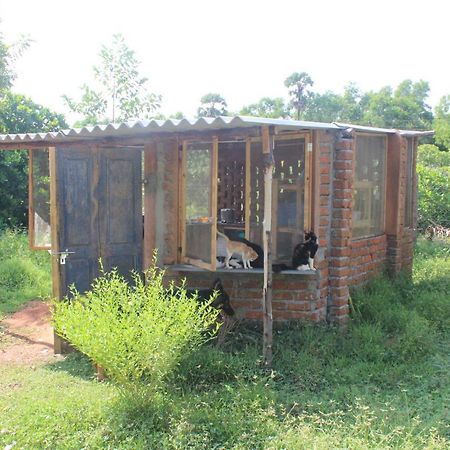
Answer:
(120, 208)
(77, 208)
(99, 206)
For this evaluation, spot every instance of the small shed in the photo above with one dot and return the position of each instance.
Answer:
(119, 191)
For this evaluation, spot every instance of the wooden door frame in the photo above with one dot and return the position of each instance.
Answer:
(182, 199)
(31, 209)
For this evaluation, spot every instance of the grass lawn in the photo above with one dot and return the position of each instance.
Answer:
(383, 383)
(24, 274)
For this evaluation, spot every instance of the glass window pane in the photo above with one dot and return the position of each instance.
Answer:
(40, 199)
(198, 201)
(369, 187)
(409, 184)
(288, 195)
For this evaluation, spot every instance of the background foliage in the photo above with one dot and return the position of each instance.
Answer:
(433, 171)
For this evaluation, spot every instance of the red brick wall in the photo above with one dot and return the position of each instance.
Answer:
(368, 258)
(340, 232)
(295, 296)
(341, 262)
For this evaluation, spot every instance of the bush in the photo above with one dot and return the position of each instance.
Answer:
(24, 274)
(138, 334)
(433, 169)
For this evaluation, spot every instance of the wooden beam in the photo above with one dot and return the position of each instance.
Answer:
(150, 182)
(31, 237)
(307, 184)
(59, 343)
(181, 202)
(315, 183)
(248, 187)
(267, 149)
(214, 176)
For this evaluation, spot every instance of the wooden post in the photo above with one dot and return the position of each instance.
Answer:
(267, 148)
(150, 180)
(58, 342)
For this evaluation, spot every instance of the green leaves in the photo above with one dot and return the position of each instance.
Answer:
(19, 114)
(138, 334)
(441, 122)
(121, 93)
(433, 170)
(212, 105)
(297, 84)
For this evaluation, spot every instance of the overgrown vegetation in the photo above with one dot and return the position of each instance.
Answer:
(24, 274)
(383, 383)
(433, 170)
(137, 333)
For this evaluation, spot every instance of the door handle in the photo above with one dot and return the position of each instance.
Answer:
(61, 255)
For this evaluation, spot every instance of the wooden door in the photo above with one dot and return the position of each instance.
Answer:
(98, 214)
(120, 209)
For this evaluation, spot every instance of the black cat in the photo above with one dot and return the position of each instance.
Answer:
(222, 301)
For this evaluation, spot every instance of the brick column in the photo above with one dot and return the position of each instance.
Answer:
(341, 224)
(395, 200)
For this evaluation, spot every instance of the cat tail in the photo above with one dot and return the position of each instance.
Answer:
(223, 235)
(277, 268)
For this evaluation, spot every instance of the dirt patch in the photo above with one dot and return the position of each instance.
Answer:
(26, 337)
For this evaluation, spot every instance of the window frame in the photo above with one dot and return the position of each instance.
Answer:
(409, 185)
(308, 207)
(182, 199)
(384, 185)
(31, 208)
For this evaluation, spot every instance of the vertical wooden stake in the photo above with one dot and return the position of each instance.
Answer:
(267, 148)
(59, 343)
(150, 177)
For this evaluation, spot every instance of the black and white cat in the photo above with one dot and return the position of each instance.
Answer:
(303, 255)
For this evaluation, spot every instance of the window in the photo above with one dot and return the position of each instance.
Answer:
(409, 184)
(200, 200)
(288, 191)
(369, 186)
(223, 186)
(39, 199)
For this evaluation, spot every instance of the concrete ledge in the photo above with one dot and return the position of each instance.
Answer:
(189, 268)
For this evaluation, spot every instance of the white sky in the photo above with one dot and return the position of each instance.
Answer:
(243, 49)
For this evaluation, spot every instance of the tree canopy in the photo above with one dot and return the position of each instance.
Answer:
(121, 93)
(18, 114)
(442, 122)
(212, 105)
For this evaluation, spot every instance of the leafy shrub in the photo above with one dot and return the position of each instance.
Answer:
(138, 334)
(24, 274)
(433, 169)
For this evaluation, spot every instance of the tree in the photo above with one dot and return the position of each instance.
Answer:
(19, 114)
(297, 84)
(266, 107)
(212, 105)
(433, 169)
(404, 108)
(122, 93)
(8, 55)
(332, 107)
(441, 122)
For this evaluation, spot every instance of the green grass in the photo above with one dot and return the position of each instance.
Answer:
(24, 274)
(383, 383)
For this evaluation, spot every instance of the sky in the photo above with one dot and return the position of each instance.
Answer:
(243, 50)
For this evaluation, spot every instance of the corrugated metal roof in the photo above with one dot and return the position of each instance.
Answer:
(145, 127)
(382, 130)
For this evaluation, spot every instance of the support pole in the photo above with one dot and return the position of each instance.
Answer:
(267, 148)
